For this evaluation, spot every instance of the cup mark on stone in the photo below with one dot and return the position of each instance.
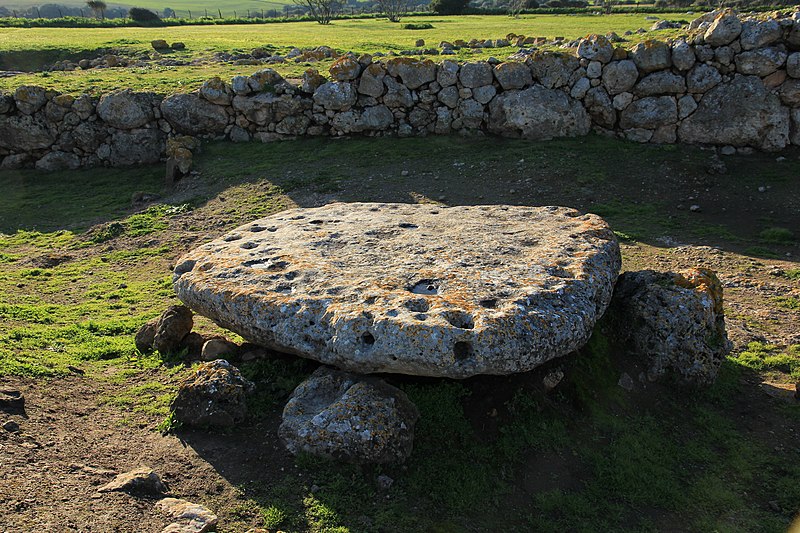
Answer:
(290, 275)
(316, 222)
(255, 228)
(463, 350)
(408, 225)
(266, 264)
(367, 339)
(425, 286)
(421, 317)
(283, 288)
(392, 312)
(418, 305)
(232, 237)
(205, 267)
(248, 245)
(488, 303)
(459, 319)
(298, 217)
(369, 300)
(272, 229)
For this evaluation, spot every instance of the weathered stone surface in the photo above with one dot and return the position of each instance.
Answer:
(537, 113)
(702, 78)
(345, 68)
(683, 57)
(371, 81)
(649, 113)
(336, 95)
(375, 118)
(397, 95)
(663, 82)
(140, 481)
(146, 336)
(756, 34)
(213, 396)
(600, 107)
(620, 76)
(790, 93)
(268, 80)
(189, 517)
(30, 98)
(216, 347)
(136, 147)
(447, 73)
(216, 91)
(674, 322)
(483, 95)
(793, 65)
(475, 74)
(739, 113)
(189, 113)
(651, 55)
(58, 160)
(795, 137)
(595, 48)
(513, 75)
(25, 133)
(173, 325)
(6, 104)
(349, 417)
(413, 72)
(415, 289)
(552, 69)
(724, 29)
(449, 96)
(760, 62)
(126, 109)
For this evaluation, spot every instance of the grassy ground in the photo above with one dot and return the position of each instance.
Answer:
(24, 47)
(81, 269)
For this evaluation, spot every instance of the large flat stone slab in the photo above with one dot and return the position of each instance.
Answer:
(407, 288)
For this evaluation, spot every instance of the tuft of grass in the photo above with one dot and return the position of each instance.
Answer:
(776, 235)
(418, 26)
(761, 356)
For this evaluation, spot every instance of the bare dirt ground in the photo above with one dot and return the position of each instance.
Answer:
(71, 440)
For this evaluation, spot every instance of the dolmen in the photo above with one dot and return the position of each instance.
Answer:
(417, 289)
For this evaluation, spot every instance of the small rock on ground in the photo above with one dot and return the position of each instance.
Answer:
(213, 396)
(189, 517)
(141, 481)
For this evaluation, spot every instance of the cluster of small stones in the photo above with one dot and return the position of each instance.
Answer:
(731, 81)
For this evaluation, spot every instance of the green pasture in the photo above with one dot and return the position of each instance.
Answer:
(24, 47)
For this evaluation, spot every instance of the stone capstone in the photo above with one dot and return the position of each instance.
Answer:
(413, 289)
(738, 113)
(673, 321)
(213, 396)
(537, 113)
(348, 417)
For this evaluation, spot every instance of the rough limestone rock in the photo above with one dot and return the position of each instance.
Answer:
(25, 133)
(620, 76)
(311, 81)
(213, 396)
(30, 98)
(761, 62)
(447, 73)
(173, 325)
(189, 517)
(126, 109)
(371, 81)
(140, 481)
(475, 74)
(674, 321)
(756, 34)
(345, 68)
(702, 78)
(725, 28)
(349, 417)
(663, 82)
(54, 161)
(793, 65)
(537, 113)
(336, 95)
(595, 48)
(790, 93)
(136, 147)
(215, 348)
(216, 91)
(146, 336)
(512, 75)
(193, 115)
(552, 69)
(739, 113)
(600, 107)
(413, 72)
(413, 289)
(6, 104)
(683, 57)
(651, 55)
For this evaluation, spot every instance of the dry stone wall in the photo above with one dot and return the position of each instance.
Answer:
(730, 80)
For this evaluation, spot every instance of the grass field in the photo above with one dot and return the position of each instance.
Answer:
(42, 45)
(182, 7)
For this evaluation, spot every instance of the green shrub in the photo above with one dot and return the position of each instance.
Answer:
(776, 235)
(140, 14)
(418, 26)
